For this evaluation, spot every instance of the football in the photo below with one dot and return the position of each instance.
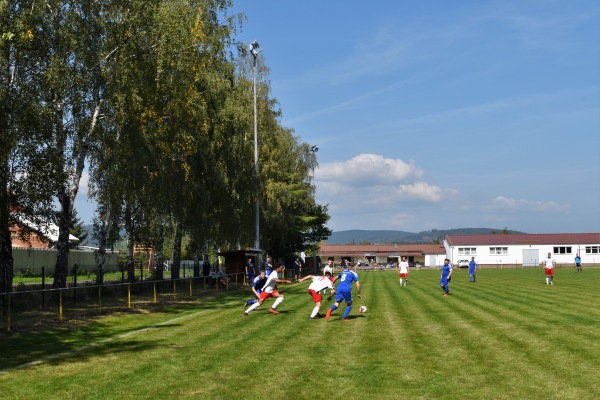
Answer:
(362, 309)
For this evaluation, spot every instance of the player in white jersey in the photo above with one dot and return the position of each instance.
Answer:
(403, 271)
(269, 290)
(318, 283)
(549, 264)
(328, 268)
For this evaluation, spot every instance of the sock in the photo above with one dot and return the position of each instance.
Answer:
(277, 302)
(546, 280)
(400, 281)
(346, 312)
(250, 302)
(333, 307)
(253, 307)
(314, 313)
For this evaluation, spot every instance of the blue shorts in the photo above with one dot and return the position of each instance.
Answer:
(443, 282)
(344, 295)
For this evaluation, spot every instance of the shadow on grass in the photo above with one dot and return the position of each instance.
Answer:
(40, 336)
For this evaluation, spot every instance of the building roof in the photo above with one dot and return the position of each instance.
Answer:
(524, 238)
(380, 249)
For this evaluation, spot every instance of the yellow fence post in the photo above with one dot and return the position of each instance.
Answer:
(100, 298)
(129, 295)
(191, 279)
(174, 289)
(154, 292)
(60, 314)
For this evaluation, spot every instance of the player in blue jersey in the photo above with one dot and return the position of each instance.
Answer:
(344, 292)
(257, 285)
(445, 277)
(472, 269)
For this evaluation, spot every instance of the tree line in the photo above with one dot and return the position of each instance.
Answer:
(154, 98)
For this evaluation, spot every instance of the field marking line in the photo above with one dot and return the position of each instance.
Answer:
(104, 341)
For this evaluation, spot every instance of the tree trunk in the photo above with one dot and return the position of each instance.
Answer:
(196, 264)
(177, 251)
(159, 254)
(62, 245)
(130, 246)
(103, 239)
(66, 199)
(6, 259)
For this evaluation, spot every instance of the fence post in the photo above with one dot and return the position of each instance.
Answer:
(100, 298)
(129, 295)
(60, 310)
(174, 289)
(75, 283)
(43, 286)
(191, 287)
(154, 292)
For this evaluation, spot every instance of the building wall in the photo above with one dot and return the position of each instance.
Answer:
(515, 254)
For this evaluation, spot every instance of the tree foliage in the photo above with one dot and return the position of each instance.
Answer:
(154, 98)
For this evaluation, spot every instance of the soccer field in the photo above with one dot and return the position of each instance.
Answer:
(507, 336)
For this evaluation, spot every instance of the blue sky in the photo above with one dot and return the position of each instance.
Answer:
(438, 114)
(441, 114)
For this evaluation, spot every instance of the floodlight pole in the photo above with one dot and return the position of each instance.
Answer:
(313, 150)
(254, 51)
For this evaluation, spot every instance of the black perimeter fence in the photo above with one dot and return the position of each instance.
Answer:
(84, 298)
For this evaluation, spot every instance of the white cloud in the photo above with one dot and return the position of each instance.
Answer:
(501, 202)
(369, 170)
(375, 189)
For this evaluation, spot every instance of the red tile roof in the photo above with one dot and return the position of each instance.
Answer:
(524, 238)
(381, 249)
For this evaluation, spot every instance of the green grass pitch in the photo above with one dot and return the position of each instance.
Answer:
(507, 336)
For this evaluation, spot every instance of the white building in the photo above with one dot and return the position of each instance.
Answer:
(524, 249)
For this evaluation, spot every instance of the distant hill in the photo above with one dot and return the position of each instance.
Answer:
(391, 237)
(378, 237)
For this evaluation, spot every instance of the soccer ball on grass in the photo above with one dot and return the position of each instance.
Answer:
(362, 309)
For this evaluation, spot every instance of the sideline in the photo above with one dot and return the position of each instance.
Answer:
(105, 341)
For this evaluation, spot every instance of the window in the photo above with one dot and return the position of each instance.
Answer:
(498, 251)
(467, 251)
(562, 250)
(592, 249)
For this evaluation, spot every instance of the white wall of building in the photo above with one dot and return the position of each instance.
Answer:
(528, 255)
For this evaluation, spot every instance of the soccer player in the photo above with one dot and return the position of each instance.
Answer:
(328, 268)
(344, 292)
(472, 269)
(318, 283)
(403, 271)
(578, 263)
(269, 290)
(548, 264)
(257, 284)
(445, 277)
